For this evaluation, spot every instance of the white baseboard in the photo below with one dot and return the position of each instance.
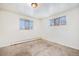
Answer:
(16, 42)
(27, 40)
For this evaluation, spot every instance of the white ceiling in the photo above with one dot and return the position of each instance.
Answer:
(43, 10)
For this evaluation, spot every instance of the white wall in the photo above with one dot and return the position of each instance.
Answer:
(67, 35)
(0, 27)
(10, 32)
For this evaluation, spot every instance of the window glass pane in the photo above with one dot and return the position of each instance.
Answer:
(31, 24)
(56, 21)
(51, 22)
(63, 20)
(26, 24)
(22, 24)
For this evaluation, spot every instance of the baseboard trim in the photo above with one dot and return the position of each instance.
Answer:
(18, 42)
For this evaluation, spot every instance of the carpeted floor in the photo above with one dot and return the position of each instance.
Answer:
(38, 47)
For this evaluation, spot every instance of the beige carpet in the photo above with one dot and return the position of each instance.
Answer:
(38, 48)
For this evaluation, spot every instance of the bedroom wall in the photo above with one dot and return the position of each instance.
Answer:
(68, 34)
(10, 32)
(0, 26)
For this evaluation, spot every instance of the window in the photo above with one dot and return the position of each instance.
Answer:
(58, 21)
(51, 22)
(26, 24)
(63, 20)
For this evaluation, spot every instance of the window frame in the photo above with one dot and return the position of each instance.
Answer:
(58, 21)
(27, 24)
